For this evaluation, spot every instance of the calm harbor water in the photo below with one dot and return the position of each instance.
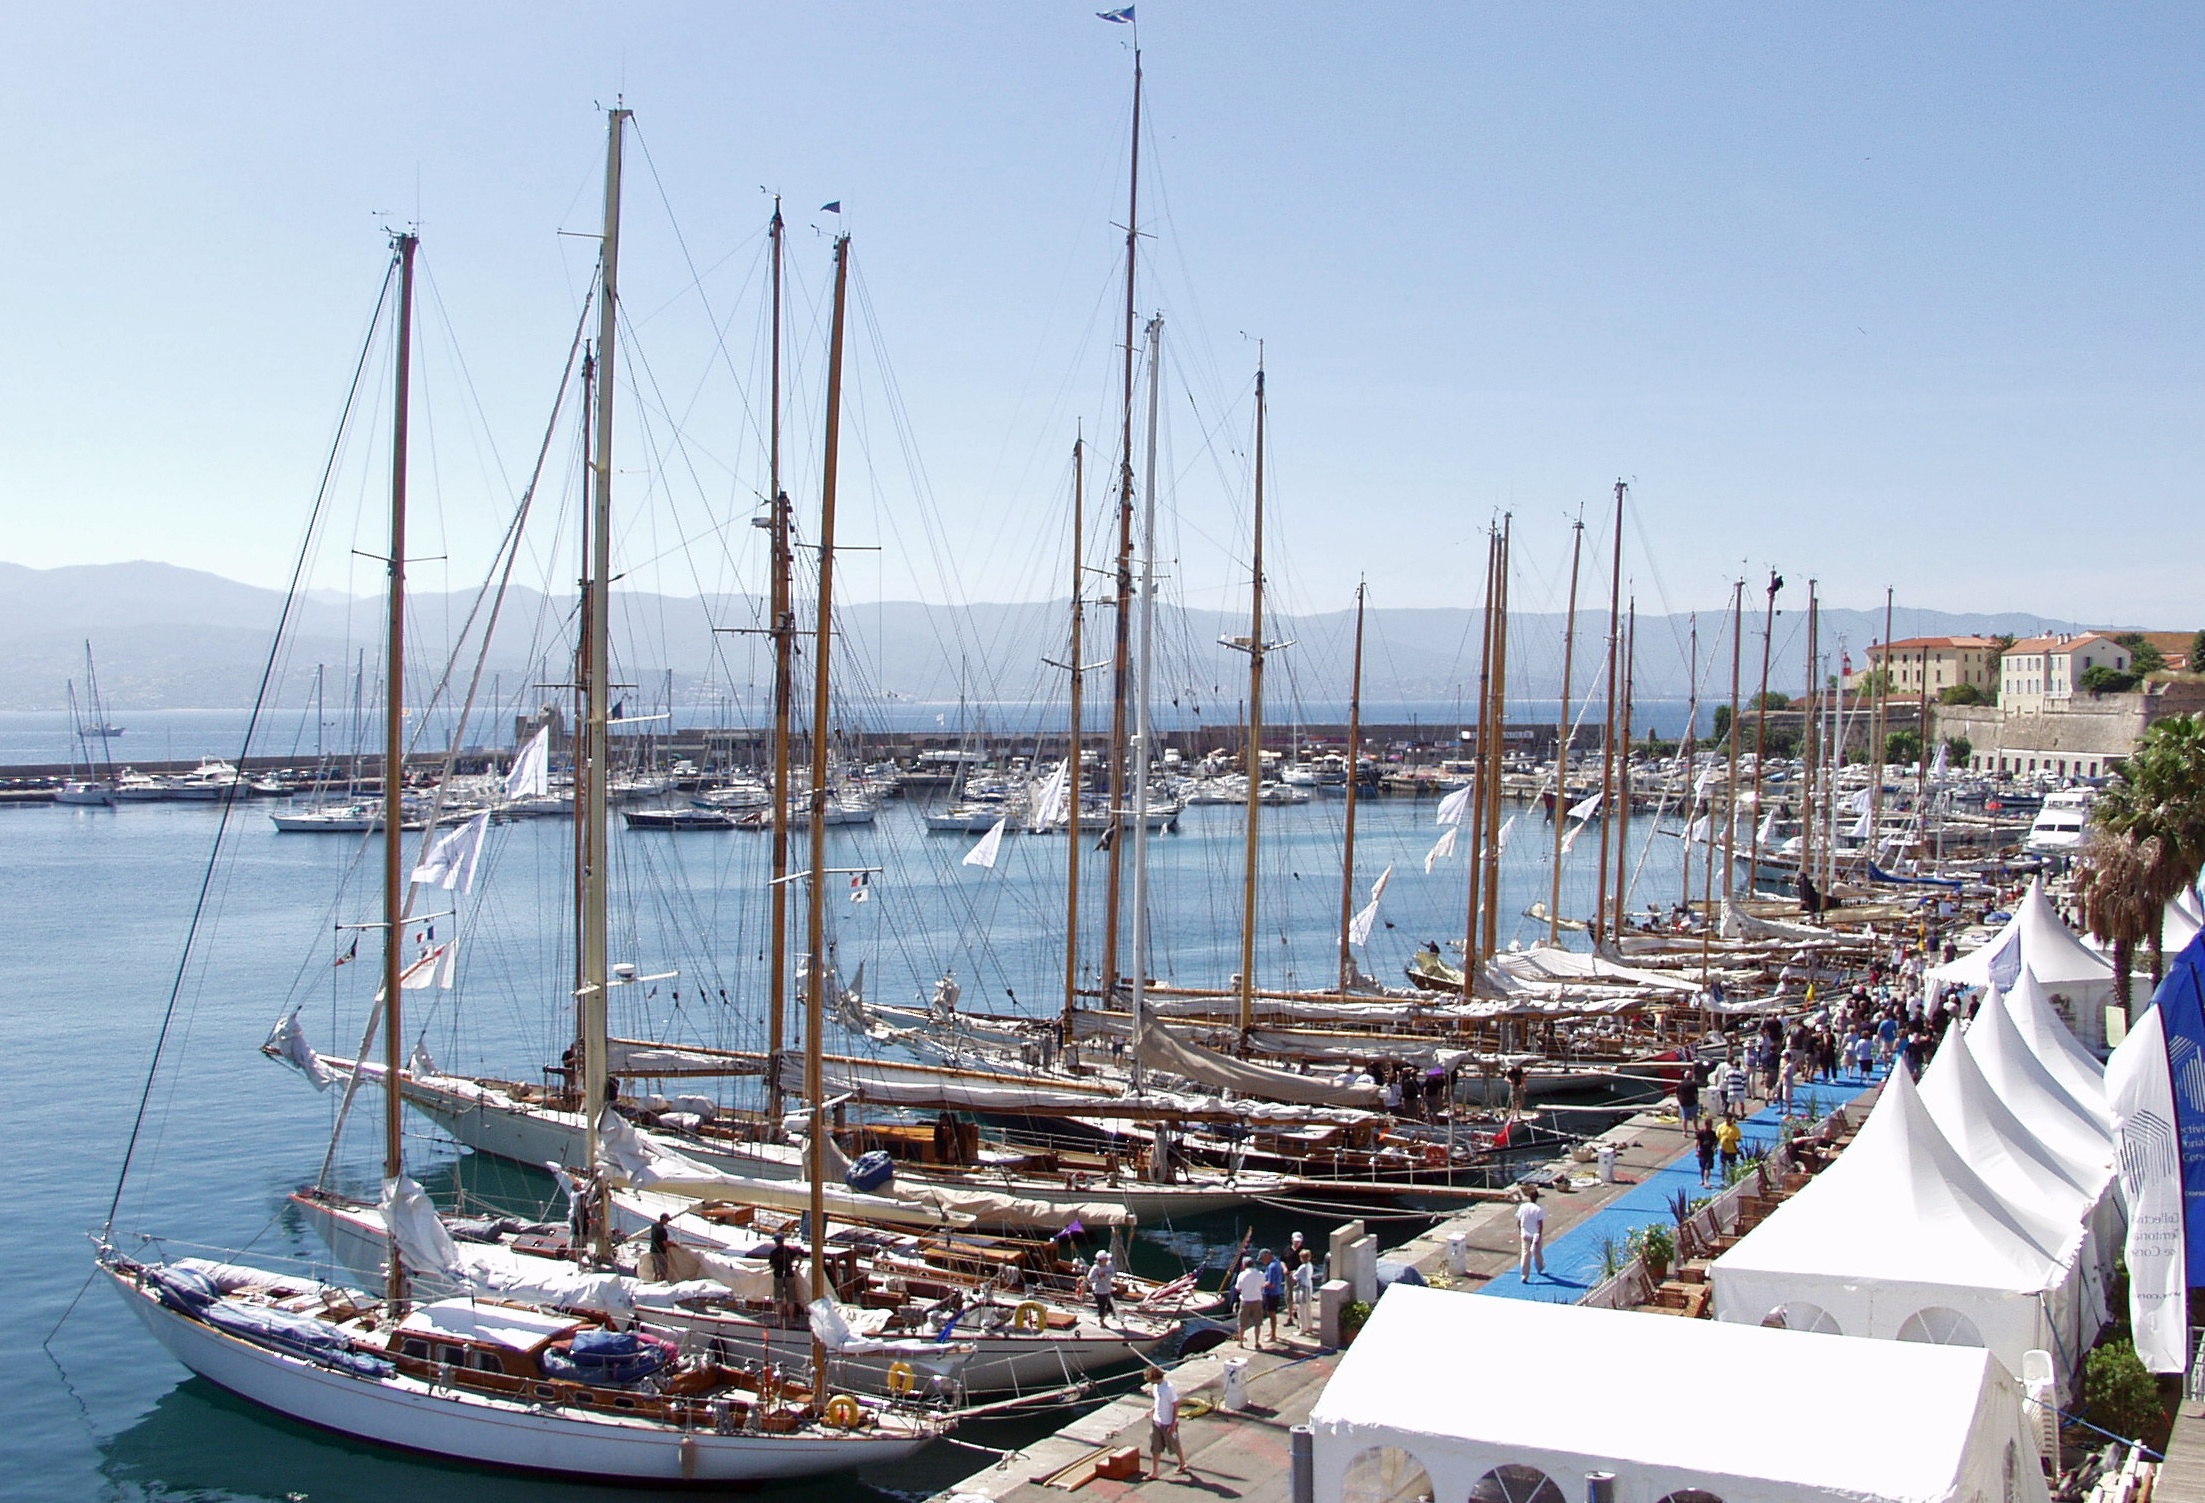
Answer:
(97, 905)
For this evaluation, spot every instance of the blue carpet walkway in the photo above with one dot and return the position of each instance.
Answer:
(1574, 1262)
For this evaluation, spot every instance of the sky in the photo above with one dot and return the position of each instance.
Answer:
(1878, 294)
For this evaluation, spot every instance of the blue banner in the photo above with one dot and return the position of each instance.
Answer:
(2181, 1003)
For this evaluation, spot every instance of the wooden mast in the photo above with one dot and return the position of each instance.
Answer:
(591, 791)
(394, 773)
(1121, 657)
(1607, 734)
(1562, 739)
(1137, 1001)
(1808, 740)
(1254, 760)
(783, 609)
(1623, 770)
(1730, 777)
(1355, 753)
(1476, 810)
(815, 920)
(1691, 728)
(1072, 779)
(1879, 727)
(1497, 747)
(1761, 724)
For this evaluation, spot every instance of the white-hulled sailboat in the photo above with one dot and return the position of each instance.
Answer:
(479, 1378)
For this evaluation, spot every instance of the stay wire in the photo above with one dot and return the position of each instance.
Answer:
(260, 698)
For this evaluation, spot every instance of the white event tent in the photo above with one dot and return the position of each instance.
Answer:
(1902, 1239)
(2079, 1072)
(1463, 1396)
(2063, 963)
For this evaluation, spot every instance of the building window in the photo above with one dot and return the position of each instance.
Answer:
(1386, 1474)
(1516, 1483)
(1940, 1326)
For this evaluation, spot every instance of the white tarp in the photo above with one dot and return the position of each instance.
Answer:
(1548, 963)
(2141, 1091)
(627, 1158)
(1901, 1239)
(1416, 1380)
(1159, 1050)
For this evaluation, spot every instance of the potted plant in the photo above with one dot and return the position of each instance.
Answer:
(1657, 1248)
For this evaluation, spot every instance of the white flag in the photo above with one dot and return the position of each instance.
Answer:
(1500, 841)
(1441, 851)
(2140, 1091)
(984, 853)
(288, 1043)
(1766, 833)
(1586, 809)
(1864, 826)
(1053, 803)
(1698, 830)
(530, 773)
(419, 976)
(1569, 838)
(1455, 807)
(1860, 802)
(1359, 927)
(450, 863)
(1937, 764)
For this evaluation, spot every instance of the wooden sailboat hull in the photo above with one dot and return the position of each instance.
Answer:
(409, 1416)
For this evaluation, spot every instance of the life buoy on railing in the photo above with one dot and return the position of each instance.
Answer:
(901, 1379)
(1030, 1316)
(844, 1412)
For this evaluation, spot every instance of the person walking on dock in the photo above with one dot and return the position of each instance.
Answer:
(1703, 1139)
(1274, 1290)
(1249, 1287)
(1688, 1101)
(1163, 1423)
(1531, 1235)
(1728, 1140)
(1305, 1292)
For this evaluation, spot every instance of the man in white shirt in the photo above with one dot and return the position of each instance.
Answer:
(1102, 1282)
(1163, 1423)
(1249, 1288)
(1531, 1235)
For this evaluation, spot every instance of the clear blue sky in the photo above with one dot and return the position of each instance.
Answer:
(1884, 293)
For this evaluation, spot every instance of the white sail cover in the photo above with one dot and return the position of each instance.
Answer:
(1411, 1383)
(626, 1158)
(1552, 963)
(1159, 1049)
(287, 1042)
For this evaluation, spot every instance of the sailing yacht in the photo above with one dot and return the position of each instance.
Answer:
(486, 1377)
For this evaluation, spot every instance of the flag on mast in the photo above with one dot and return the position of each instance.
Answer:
(861, 887)
(1360, 926)
(450, 863)
(530, 774)
(1443, 850)
(1122, 16)
(984, 853)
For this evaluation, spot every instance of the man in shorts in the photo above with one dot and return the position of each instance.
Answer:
(1102, 1282)
(1163, 1423)
(1249, 1287)
(1274, 1290)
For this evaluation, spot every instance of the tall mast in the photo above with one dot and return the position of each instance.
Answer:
(1254, 758)
(1355, 756)
(782, 605)
(1121, 659)
(1607, 735)
(1878, 724)
(1562, 739)
(1476, 906)
(1497, 745)
(1809, 767)
(1623, 772)
(1072, 779)
(1761, 723)
(815, 918)
(591, 787)
(394, 769)
(1691, 727)
(1730, 777)
(1142, 729)
(577, 747)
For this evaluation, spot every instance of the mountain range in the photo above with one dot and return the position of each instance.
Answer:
(169, 637)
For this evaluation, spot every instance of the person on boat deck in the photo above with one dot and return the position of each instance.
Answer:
(1163, 1422)
(1102, 1282)
(1531, 1235)
(1274, 1289)
(782, 1260)
(661, 1236)
(1518, 1088)
(1249, 1289)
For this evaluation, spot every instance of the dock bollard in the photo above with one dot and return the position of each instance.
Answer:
(1304, 1440)
(1606, 1159)
(1236, 1385)
(1332, 1299)
(1458, 1254)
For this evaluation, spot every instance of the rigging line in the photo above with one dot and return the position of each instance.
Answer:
(260, 698)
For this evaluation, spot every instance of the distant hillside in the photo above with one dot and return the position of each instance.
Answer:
(169, 638)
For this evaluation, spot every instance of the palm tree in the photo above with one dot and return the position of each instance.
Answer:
(2157, 801)
(2113, 880)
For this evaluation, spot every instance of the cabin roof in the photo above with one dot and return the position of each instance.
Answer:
(493, 1325)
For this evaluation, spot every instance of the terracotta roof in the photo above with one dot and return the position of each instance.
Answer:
(2059, 642)
(1916, 644)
